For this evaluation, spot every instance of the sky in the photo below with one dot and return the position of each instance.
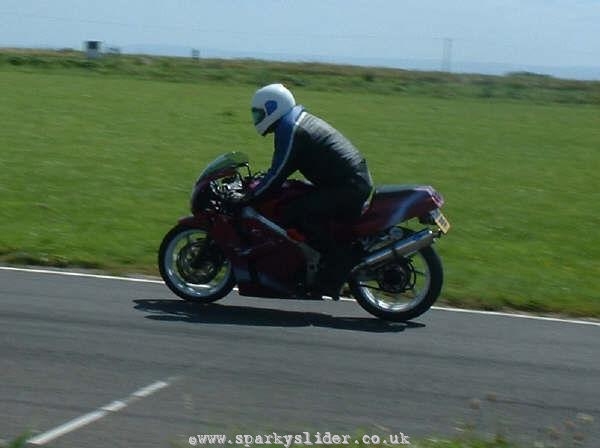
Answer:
(555, 36)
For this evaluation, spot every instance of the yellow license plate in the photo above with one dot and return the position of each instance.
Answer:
(440, 220)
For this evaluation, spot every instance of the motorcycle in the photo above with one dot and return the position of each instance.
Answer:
(396, 274)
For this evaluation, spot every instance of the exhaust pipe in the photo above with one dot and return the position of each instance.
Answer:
(398, 249)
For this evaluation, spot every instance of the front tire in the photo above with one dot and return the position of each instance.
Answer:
(403, 289)
(193, 266)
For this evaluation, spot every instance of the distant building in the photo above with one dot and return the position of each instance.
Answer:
(93, 49)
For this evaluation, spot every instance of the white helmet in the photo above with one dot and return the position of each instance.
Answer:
(269, 104)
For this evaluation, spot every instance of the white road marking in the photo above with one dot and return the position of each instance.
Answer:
(68, 427)
(149, 390)
(344, 299)
(80, 274)
(93, 416)
(521, 316)
(115, 406)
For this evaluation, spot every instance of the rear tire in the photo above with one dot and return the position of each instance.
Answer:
(193, 266)
(392, 305)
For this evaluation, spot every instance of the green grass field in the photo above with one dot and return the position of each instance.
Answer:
(96, 167)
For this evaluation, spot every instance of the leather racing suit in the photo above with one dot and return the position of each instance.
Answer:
(306, 143)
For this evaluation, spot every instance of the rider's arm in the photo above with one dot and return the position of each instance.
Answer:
(284, 160)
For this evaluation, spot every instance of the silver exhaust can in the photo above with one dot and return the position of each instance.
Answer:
(398, 249)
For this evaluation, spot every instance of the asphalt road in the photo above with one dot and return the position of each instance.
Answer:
(70, 346)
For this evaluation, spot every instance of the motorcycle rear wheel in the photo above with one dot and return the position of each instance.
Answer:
(193, 267)
(403, 289)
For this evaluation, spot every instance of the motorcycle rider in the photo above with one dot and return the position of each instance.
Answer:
(344, 187)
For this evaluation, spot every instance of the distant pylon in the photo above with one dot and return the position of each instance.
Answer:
(447, 55)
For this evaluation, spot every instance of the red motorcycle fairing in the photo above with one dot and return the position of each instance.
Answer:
(198, 221)
(256, 248)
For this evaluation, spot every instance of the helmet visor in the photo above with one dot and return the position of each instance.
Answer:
(258, 115)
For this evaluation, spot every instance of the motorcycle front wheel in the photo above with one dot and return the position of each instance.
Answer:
(402, 289)
(193, 266)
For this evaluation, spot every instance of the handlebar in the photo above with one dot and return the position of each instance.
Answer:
(233, 188)
(224, 193)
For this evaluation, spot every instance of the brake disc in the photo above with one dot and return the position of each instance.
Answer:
(199, 263)
(397, 277)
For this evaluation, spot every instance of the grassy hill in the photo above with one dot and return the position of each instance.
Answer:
(314, 76)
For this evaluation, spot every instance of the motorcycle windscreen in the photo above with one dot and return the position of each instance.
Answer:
(231, 160)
